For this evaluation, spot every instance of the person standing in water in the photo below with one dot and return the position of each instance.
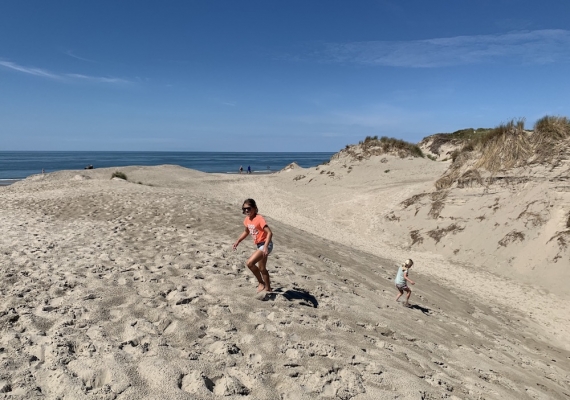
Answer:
(241, 169)
(256, 226)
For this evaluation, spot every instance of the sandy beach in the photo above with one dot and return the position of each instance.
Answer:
(115, 289)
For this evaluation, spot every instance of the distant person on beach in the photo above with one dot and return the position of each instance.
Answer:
(240, 169)
(256, 226)
(249, 169)
(402, 280)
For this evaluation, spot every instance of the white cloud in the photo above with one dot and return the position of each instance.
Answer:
(28, 70)
(536, 47)
(97, 78)
(70, 54)
(47, 74)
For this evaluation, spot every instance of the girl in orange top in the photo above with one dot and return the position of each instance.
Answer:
(256, 226)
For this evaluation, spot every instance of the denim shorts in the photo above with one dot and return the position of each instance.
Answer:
(260, 246)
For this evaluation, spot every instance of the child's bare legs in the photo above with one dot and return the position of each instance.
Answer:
(408, 294)
(399, 294)
(260, 272)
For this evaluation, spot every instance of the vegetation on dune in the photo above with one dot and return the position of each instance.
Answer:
(462, 134)
(468, 134)
(372, 146)
(456, 138)
(506, 146)
(552, 127)
(119, 174)
(550, 138)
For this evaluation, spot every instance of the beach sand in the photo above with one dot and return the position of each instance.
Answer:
(116, 289)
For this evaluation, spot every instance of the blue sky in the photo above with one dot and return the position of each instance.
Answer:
(273, 75)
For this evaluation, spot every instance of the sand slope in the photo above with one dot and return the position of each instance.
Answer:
(118, 290)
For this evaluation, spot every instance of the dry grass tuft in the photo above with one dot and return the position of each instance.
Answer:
(468, 179)
(550, 138)
(437, 234)
(510, 237)
(534, 219)
(454, 171)
(416, 237)
(550, 127)
(412, 200)
(504, 147)
(438, 203)
(561, 239)
(450, 177)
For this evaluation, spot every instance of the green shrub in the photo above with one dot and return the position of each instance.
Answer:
(119, 174)
(389, 144)
(371, 146)
(469, 133)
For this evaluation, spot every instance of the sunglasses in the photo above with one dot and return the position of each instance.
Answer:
(245, 209)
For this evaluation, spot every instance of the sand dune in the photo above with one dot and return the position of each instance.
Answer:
(123, 290)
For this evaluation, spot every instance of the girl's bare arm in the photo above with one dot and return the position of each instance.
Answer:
(241, 237)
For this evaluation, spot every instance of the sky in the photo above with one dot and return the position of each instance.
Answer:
(273, 75)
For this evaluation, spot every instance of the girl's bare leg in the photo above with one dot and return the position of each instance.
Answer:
(398, 296)
(255, 258)
(262, 268)
(408, 294)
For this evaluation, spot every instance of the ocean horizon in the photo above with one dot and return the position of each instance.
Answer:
(18, 165)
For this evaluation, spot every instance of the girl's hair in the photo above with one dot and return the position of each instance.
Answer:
(251, 203)
(407, 264)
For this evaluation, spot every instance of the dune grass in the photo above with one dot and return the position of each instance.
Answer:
(461, 138)
(371, 144)
(119, 174)
(506, 146)
(553, 127)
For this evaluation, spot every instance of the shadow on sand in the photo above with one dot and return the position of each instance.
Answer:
(306, 299)
(425, 310)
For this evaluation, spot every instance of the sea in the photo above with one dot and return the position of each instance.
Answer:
(17, 165)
